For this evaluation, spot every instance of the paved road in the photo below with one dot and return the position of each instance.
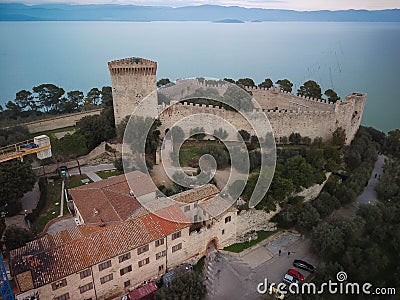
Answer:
(86, 169)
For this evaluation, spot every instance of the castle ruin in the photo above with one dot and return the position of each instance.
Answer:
(135, 78)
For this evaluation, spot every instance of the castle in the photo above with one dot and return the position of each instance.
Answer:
(135, 78)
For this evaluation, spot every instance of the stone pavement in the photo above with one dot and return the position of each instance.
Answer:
(61, 225)
(93, 176)
(239, 276)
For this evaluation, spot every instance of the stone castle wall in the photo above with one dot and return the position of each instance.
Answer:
(307, 123)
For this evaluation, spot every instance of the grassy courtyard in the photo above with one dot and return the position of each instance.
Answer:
(261, 235)
(108, 173)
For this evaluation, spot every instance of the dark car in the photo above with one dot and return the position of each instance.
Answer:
(301, 264)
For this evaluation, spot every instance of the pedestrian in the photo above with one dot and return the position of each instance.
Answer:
(280, 251)
(288, 254)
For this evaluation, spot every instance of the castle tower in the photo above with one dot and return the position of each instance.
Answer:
(132, 80)
(349, 113)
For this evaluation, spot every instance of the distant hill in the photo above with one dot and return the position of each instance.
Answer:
(111, 12)
(229, 21)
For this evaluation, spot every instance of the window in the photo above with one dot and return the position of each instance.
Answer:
(228, 219)
(85, 273)
(177, 247)
(104, 265)
(195, 205)
(161, 254)
(187, 208)
(223, 231)
(62, 297)
(144, 262)
(160, 268)
(143, 249)
(106, 278)
(59, 284)
(125, 270)
(159, 242)
(124, 257)
(86, 287)
(195, 218)
(127, 283)
(176, 235)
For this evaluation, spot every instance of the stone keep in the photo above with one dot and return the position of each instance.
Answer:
(132, 80)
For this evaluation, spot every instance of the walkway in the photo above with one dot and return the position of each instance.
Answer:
(369, 195)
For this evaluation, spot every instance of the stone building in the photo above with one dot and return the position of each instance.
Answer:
(134, 78)
(116, 251)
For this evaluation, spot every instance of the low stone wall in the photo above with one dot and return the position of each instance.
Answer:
(253, 220)
(59, 121)
(312, 192)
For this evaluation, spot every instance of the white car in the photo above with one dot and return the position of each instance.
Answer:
(289, 279)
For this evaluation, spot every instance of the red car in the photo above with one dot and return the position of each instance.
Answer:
(296, 274)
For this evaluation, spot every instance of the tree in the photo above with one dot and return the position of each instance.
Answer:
(107, 103)
(95, 129)
(184, 286)
(229, 80)
(16, 178)
(177, 134)
(197, 133)
(305, 140)
(339, 137)
(332, 96)
(283, 139)
(243, 82)
(93, 97)
(220, 134)
(24, 99)
(285, 85)
(267, 83)
(71, 103)
(308, 218)
(163, 81)
(245, 135)
(310, 89)
(14, 109)
(238, 99)
(17, 237)
(48, 96)
(295, 138)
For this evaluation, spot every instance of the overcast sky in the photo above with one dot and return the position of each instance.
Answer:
(284, 4)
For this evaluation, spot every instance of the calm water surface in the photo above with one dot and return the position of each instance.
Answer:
(345, 56)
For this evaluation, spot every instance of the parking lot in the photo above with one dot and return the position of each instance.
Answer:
(237, 277)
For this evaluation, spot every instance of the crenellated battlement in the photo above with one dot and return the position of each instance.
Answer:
(132, 66)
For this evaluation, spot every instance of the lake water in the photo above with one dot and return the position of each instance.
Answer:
(348, 57)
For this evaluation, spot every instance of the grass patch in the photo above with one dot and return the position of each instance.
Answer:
(261, 235)
(51, 133)
(193, 150)
(108, 173)
(51, 209)
(198, 268)
(75, 181)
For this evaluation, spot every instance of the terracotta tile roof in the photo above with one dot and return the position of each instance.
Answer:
(196, 194)
(109, 200)
(53, 257)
